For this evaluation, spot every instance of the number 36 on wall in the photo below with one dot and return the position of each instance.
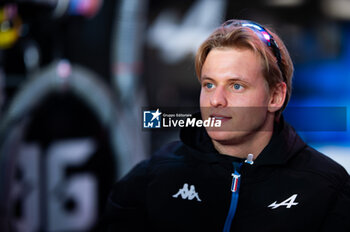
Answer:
(45, 196)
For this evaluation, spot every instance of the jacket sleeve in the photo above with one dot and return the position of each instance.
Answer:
(126, 205)
(338, 218)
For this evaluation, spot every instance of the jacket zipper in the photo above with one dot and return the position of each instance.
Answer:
(236, 181)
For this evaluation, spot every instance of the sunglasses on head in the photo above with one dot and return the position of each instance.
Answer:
(264, 36)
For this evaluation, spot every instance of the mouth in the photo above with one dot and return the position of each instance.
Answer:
(222, 118)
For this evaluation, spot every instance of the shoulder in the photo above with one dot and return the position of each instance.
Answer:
(315, 163)
(164, 162)
(167, 154)
(167, 151)
(169, 158)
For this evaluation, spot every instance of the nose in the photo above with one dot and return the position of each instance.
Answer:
(218, 98)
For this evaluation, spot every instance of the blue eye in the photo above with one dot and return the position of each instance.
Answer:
(237, 86)
(209, 85)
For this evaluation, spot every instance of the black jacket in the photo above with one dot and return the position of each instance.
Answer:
(290, 187)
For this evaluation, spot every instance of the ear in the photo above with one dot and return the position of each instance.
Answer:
(277, 97)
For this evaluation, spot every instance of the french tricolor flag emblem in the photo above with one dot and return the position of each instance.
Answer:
(235, 182)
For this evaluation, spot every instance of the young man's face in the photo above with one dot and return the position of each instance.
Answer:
(235, 92)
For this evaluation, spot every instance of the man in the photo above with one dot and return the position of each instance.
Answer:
(254, 173)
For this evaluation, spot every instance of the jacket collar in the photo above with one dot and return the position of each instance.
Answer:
(284, 144)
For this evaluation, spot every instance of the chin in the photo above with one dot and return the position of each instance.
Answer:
(227, 137)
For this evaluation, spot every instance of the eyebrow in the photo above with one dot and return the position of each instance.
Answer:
(228, 80)
(206, 78)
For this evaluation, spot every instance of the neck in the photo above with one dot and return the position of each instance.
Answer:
(242, 149)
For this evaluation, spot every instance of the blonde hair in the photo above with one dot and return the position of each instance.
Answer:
(233, 34)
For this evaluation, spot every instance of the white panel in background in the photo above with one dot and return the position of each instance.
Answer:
(341, 154)
(178, 38)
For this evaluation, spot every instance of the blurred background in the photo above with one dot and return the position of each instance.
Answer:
(75, 74)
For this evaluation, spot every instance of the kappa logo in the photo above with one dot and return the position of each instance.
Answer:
(288, 202)
(186, 193)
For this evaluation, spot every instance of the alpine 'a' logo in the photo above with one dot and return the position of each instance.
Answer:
(288, 202)
(186, 193)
